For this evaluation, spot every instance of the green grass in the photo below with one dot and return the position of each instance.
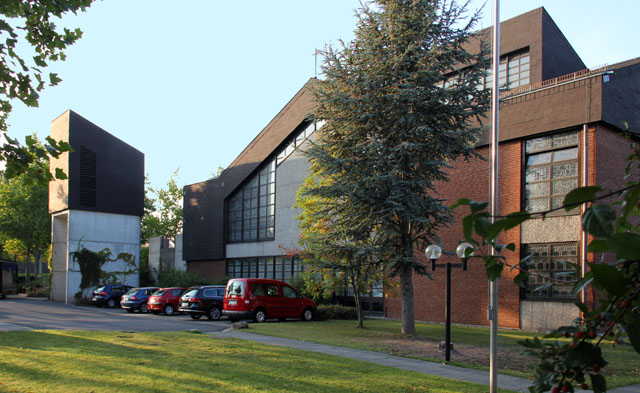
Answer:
(64, 361)
(623, 368)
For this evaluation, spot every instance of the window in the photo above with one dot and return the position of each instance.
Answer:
(298, 140)
(265, 289)
(278, 268)
(289, 292)
(251, 210)
(513, 72)
(550, 270)
(551, 171)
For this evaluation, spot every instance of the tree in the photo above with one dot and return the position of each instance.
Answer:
(163, 216)
(24, 80)
(24, 214)
(398, 108)
(616, 229)
(337, 254)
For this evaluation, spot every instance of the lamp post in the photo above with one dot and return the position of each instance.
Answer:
(433, 252)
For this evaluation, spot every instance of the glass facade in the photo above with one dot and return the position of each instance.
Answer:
(251, 210)
(275, 267)
(551, 171)
(551, 275)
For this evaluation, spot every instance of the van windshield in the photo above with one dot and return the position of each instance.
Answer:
(235, 288)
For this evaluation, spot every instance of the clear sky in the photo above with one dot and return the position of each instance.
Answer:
(191, 83)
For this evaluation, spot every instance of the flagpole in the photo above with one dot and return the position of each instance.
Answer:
(495, 109)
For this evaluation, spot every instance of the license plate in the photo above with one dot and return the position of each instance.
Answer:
(184, 305)
(232, 302)
(154, 302)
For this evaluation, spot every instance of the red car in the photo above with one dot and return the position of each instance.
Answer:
(165, 300)
(259, 299)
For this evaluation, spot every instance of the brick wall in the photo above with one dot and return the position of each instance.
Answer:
(470, 289)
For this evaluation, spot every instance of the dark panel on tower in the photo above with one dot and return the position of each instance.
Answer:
(105, 174)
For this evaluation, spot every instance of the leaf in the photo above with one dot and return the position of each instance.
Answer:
(598, 383)
(460, 202)
(494, 272)
(467, 227)
(60, 174)
(633, 332)
(583, 307)
(625, 245)
(519, 280)
(598, 245)
(581, 284)
(609, 278)
(598, 220)
(481, 225)
(53, 79)
(578, 196)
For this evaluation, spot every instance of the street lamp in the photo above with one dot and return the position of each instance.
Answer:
(434, 252)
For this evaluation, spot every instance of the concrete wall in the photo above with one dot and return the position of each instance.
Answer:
(95, 231)
(544, 316)
(289, 176)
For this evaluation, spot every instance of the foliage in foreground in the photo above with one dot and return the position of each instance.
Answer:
(23, 79)
(394, 119)
(58, 361)
(564, 365)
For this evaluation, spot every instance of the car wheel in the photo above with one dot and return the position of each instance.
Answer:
(307, 314)
(168, 309)
(130, 310)
(144, 308)
(260, 315)
(111, 303)
(214, 314)
(195, 316)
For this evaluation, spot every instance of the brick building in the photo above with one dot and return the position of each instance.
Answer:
(559, 126)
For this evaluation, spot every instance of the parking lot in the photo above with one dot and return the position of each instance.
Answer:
(21, 313)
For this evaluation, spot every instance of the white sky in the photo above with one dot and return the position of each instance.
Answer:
(191, 83)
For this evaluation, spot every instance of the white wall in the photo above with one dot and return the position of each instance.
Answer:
(97, 231)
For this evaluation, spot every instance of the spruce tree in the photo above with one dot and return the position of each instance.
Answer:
(400, 101)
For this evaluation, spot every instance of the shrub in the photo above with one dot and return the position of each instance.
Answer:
(170, 277)
(335, 311)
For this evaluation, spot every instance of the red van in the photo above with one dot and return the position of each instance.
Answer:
(260, 298)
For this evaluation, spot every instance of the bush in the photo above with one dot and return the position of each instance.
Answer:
(335, 311)
(170, 277)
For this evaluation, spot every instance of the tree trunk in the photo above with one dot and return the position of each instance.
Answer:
(356, 297)
(27, 272)
(406, 293)
(38, 259)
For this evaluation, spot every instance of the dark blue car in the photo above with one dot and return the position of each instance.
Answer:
(109, 295)
(136, 299)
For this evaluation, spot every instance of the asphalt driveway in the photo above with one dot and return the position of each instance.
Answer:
(21, 313)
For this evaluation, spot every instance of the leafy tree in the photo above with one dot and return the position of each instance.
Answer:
(23, 79)
(24, 214)
(337, 254)
(395, 116)
(566, 364)
(163, 215)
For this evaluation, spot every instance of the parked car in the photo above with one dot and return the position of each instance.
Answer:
(203, 300)
(165, 300)
(136, 299)
(109, 295)
(259, 299)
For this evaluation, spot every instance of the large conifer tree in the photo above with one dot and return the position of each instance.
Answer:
(400, 102)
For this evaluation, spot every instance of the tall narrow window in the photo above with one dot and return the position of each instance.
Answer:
(251, 210)
(551, 171)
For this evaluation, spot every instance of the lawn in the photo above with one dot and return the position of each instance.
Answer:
(64, 361)
(471, 345)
